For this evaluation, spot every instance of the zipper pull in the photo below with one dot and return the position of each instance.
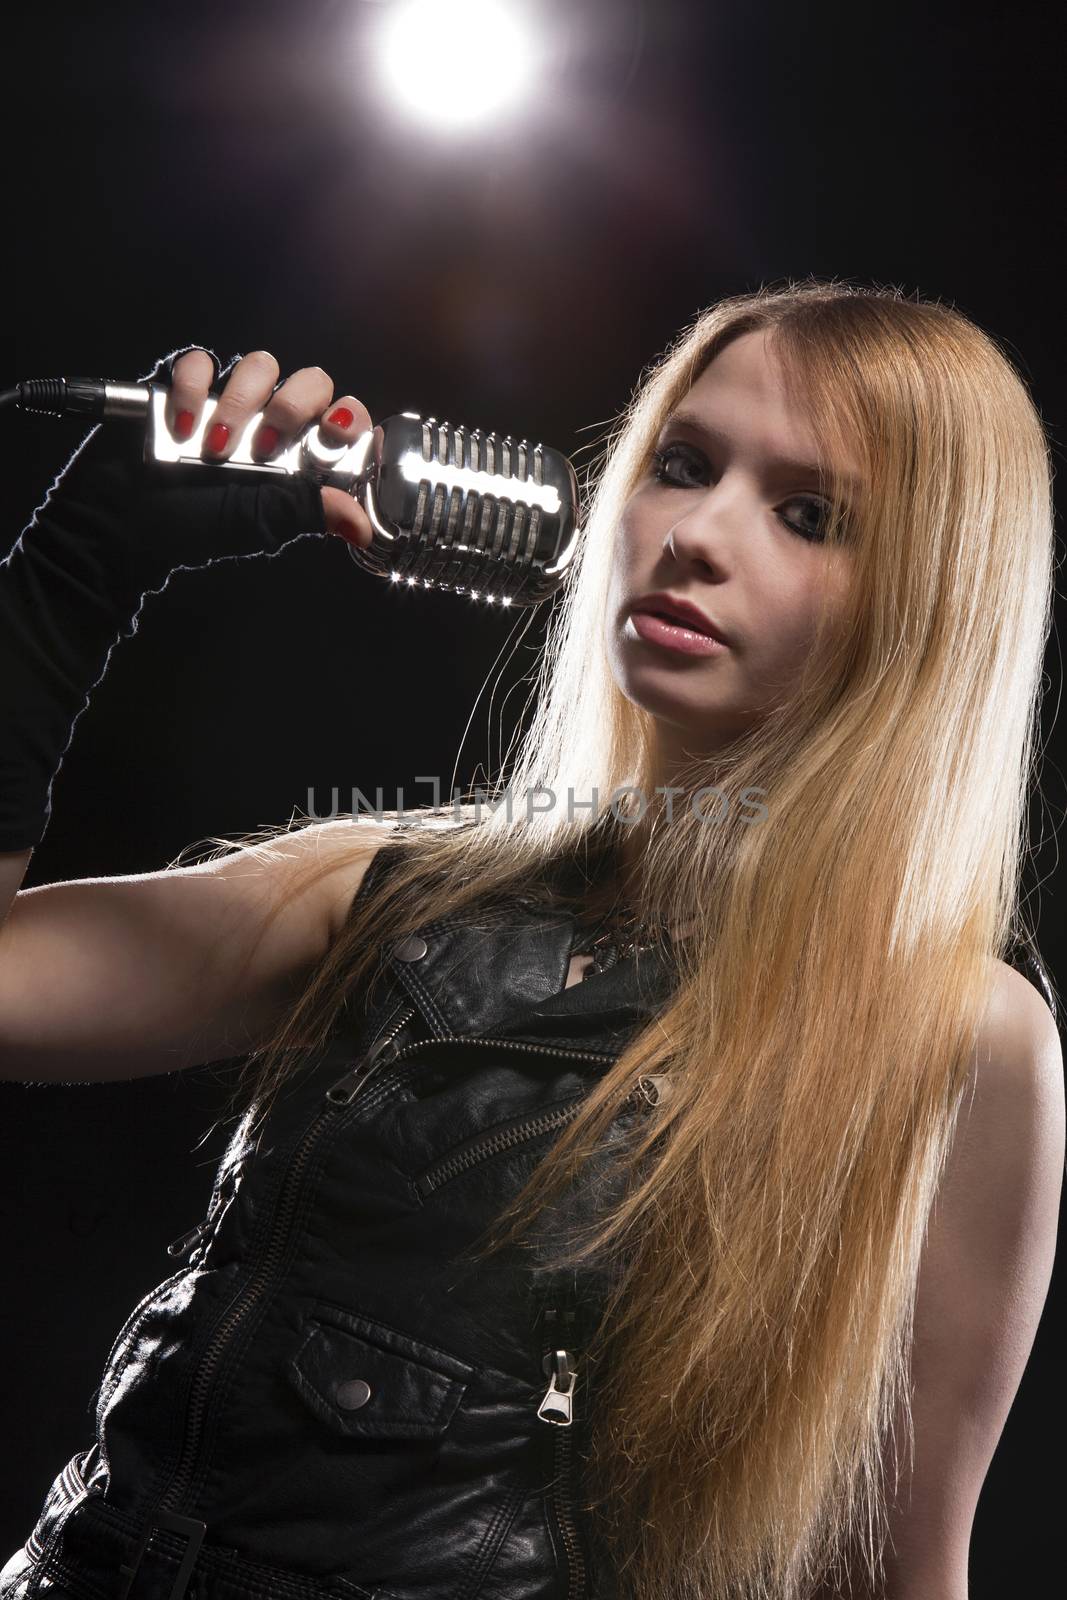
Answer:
(655, 1087)
(227, 1189)
(182, 1246)
(383, 1049)
(557, 1404)
(344, 1091)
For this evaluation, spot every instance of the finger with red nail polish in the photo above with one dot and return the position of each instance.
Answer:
(216, 439)
(247, 391)
(191, 377)
(346, 419)
(265, 441)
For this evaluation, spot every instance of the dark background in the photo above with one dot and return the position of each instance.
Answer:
(235, 176)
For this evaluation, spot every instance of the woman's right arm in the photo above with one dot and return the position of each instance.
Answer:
(123, 977)
(116, 977)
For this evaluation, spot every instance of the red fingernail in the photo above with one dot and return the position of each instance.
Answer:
(342, 417)
(216, 439)
(266, 440)
(183, 424)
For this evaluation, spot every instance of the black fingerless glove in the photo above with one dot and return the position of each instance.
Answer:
(111, 530)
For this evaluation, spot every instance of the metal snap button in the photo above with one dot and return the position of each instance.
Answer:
(413, 948)
(353, 1394)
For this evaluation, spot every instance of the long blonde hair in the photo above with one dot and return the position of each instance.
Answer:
(753, 1362)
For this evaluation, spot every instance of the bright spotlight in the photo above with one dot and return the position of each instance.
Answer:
(456, 63)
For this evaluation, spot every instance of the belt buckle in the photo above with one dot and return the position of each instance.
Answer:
(194, 1532)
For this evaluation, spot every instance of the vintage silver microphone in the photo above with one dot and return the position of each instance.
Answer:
(451, 508)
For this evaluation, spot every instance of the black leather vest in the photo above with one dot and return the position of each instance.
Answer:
(327, 1396)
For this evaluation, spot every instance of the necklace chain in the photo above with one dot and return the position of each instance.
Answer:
(616, 936)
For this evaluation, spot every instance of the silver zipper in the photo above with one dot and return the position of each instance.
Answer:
(343, 1091)
(557, 1407)
(557, 1404)
(182, 1246)
(649, 1089)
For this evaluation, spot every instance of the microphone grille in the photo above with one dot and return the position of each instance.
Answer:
(472, 512)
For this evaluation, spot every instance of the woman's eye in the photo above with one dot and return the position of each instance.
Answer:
(818, 512)
(663, 459)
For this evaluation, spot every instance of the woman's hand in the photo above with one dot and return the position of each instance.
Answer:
(305, 397)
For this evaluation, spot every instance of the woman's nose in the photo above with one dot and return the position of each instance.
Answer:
(703, 536)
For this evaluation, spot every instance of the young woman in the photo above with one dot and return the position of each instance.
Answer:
(782, 746)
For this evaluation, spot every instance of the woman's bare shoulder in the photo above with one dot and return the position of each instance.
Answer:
(1018, 1012)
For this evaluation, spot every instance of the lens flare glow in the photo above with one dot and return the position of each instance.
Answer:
(457, 63)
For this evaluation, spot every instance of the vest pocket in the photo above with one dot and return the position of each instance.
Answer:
(364, 1379)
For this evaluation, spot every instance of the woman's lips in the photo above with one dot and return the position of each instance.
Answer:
(656, 629)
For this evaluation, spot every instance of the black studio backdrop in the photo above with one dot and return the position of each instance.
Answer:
(232, 176)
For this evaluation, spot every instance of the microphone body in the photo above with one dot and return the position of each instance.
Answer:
(451, 508)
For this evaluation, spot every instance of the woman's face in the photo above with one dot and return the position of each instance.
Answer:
(734, 528)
